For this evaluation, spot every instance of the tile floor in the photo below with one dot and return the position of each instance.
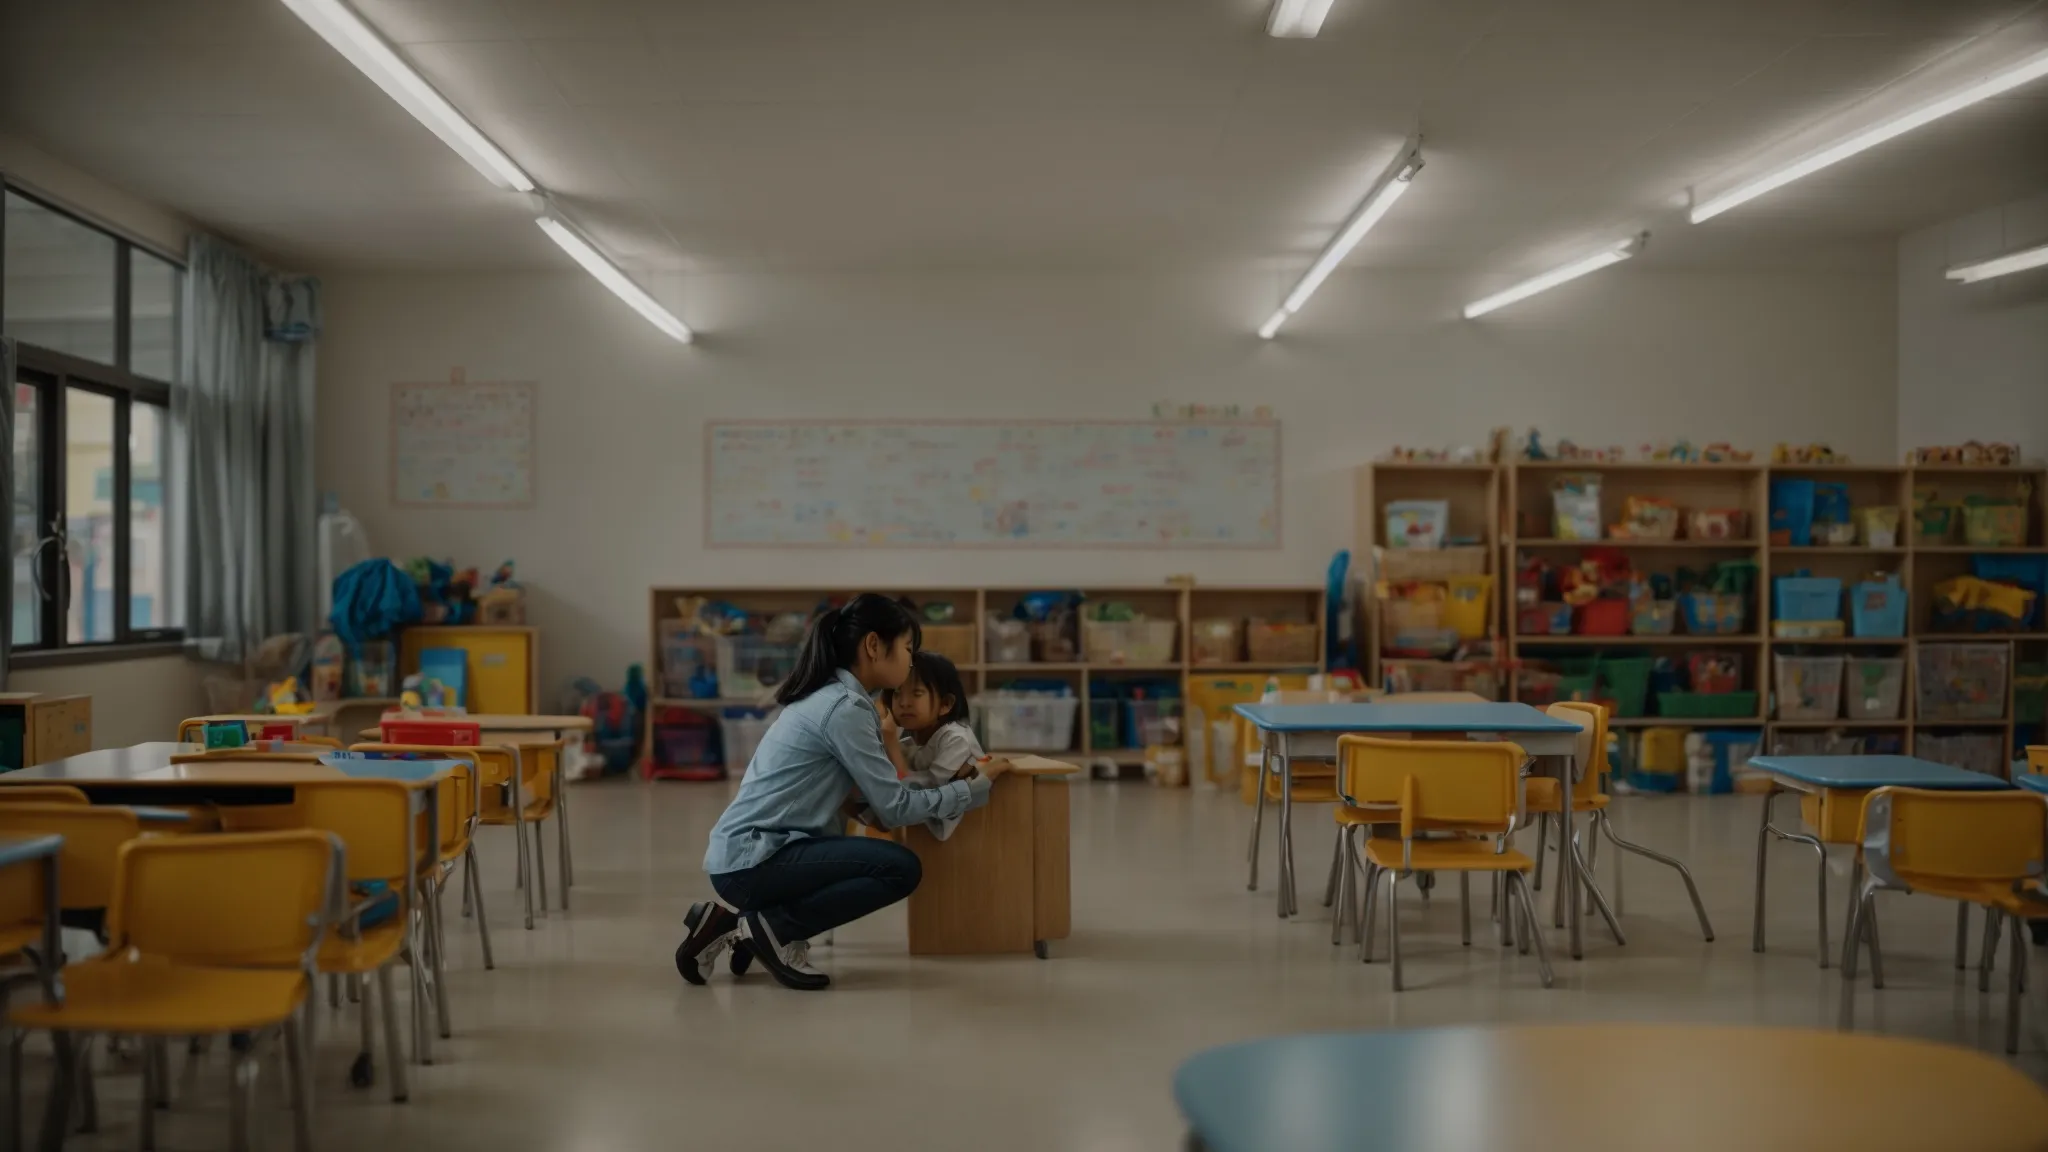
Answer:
(585, 1040)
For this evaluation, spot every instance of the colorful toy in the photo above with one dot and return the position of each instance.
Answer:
(283, 699)
(1785, 453)
(1971, 452)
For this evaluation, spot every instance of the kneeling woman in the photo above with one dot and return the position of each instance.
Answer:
(782, 871)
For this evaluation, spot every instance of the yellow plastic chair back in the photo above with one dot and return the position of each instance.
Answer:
(459, 794)
(1592, 721)
(1936, 837)
(369, 817)
(233, 900)
(93, 838)
(24, 908)
(43, 794)
(1473, 784)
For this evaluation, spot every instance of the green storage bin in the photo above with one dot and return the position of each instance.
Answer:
(1707, 705)
(1625, 680)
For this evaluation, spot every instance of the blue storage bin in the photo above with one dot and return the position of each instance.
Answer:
(1808, 598)
(2029, 572)
(1792, 512)
(1878, 608)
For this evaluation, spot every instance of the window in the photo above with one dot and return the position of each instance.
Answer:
(98, 324)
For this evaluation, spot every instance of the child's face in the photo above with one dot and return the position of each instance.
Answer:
(884, 666)
(915, 706)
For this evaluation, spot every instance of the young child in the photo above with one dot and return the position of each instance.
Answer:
(926, 733)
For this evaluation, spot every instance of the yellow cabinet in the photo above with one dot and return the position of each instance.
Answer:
(504, 663)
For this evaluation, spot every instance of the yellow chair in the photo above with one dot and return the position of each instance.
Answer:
(1983, 848)
(460, 806)
(519, 790)
(373, 821)
(206, 934)
(1475, 786)
(30, 953)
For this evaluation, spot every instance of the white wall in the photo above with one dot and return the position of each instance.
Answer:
(1375, 361)
(1973, 358)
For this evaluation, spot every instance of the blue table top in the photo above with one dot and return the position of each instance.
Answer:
(19, 849)
(2032, 781)
(1396, 717)
(1873, 772)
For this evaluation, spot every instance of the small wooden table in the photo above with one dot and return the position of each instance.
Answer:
(1672, 1088)
(1001, 882)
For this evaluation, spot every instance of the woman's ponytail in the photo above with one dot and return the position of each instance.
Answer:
(834, 637)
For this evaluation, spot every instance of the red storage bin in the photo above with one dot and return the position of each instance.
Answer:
(434, 733)
(1603, 618)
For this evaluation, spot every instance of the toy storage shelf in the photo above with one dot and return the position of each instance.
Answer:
(1298, 605)
(1517, 494)
(1472, 493)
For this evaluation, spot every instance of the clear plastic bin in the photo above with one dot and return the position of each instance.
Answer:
(1217, 640)
(1809, 687)
(1009, 642)
(1026, 721)
(1962, 681)
(1873, 687)
(1128, 641)
(1152, 722)
(1971, 751)
(741, 736)
(750, 666)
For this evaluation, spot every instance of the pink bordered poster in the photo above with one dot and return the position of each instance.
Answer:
(462, 444)
(1000, 484)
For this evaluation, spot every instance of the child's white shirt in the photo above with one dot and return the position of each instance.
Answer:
(937, 760)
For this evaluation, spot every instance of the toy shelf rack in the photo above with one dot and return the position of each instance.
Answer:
(973, 606)
(1473, 495)
(1521, 522)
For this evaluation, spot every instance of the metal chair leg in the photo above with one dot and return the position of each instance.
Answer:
(1962, 935)
(473, 893)
(1542, 845)
(1367, 924)
(1852, 940)
(540, 865)
(1330, 886)
(438, 941)
(1394, 922)
(1258, 821)
(1593, 893)
(1341, 879)
(145, 1136)
(88, 1090)
(1990, 957)
(1517, 883)
(241, 1086)
(298, 1067)
(394, 1055)
(1870, 937)
(1699, 907)
(2014, 980)
(1465, 908)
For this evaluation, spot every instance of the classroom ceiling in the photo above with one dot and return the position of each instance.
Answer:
(1142, 135)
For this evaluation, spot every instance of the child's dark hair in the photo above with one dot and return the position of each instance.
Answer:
(834, 639)
(942, 680)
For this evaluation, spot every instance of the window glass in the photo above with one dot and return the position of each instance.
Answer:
(59, 290)
(155, 292)
(148, 559)
(89, 514)
(28, 527)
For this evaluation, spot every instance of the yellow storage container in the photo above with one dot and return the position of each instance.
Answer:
(504, 663)
(1469, 607)
(1663, 751)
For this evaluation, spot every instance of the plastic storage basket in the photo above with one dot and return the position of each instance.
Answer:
(741, 735)
(1962, 681)
(1009, 642)
(1809, 687)
(1878, 608)
(1809, 598)
(1971, 751)
(1273, 642)
(1026, 721)
(1706, 705)
(1873, 687)
(1216, 640)
(1468, 609)
(1128, 641)
(1714, 613)
(751, 666)
(1152, 722)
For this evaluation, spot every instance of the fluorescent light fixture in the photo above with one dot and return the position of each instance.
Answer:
(1556, 276)
(339, 25)
(608, 274)
(2005, 80)
(2004, 265)
(1297, 19)
(1387, 189)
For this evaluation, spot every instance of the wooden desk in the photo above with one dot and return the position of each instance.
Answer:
(1672, 1088)
(1001, 882)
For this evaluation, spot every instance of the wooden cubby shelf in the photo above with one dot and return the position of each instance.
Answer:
(1492, 504)
(975, 606)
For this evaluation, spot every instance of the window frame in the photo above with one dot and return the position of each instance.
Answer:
(53, 374)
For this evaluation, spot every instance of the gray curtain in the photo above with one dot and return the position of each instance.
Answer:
(244, 451)
(7, 500)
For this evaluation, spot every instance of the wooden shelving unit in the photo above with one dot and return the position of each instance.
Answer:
(1474, 495)
(1509, 506)
(1298, 604)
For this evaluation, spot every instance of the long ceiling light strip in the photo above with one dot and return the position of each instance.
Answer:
(1387, 189)
(609, 274)
(2005, 265)
(1551, 279)
(2027, 71)
(339, 25)
(1297, 19)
